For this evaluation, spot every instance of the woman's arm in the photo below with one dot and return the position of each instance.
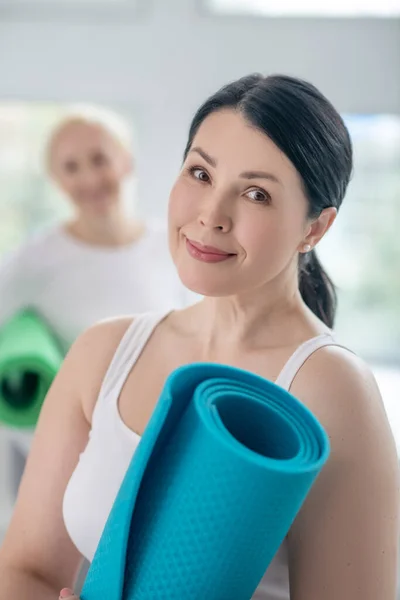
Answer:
(343, 544)
(38, 558)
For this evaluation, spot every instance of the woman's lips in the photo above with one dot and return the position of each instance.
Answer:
(208, 254)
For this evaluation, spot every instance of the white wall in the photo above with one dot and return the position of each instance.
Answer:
(159, 60)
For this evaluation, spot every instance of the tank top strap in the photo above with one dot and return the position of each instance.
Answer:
(301, 355)
(127, 353)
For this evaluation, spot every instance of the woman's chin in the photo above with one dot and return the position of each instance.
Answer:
(99, 206)
(204, 286)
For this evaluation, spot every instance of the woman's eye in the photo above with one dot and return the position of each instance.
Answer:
(200, 174)
(71, 167)
(259, 195)
(98, 159)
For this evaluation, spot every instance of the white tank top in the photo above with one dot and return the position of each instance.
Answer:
(95, 483)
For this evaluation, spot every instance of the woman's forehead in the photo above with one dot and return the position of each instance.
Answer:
(227, 137)
(78, 136)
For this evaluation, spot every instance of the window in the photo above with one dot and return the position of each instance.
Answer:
(306, 8)
(362, 251)
(27, 200)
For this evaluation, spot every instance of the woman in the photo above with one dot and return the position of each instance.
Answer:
(101, 263)
(266, 168)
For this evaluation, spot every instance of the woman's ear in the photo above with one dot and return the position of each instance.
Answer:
(318, 228)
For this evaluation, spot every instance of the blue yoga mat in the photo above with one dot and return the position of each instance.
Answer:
(219, 475)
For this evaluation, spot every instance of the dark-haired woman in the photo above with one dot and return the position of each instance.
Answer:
(264, 174)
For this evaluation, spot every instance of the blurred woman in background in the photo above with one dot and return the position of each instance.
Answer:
(102, 262)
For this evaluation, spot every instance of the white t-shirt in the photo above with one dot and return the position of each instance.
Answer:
(72, 285)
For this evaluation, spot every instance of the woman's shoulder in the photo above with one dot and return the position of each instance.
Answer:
(91, 354)
(333, 367)
(97, 348)
(340, 389)
(104, 336)
(350, 518)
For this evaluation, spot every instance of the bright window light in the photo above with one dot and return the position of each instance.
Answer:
(307, 8)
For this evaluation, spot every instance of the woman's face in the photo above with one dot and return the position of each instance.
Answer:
(237, 212)
(89, 165)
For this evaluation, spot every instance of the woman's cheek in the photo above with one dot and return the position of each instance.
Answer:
(182, 204)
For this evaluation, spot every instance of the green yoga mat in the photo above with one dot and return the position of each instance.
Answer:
(219, 475)
(29, 360)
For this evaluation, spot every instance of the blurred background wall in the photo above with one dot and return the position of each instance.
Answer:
(154, 61)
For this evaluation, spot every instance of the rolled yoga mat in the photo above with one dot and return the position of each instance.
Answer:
(219, 475)
(29, 360)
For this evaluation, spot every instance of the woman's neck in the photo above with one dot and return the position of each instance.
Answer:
(230, 320)
(270, 317)
(109, 231)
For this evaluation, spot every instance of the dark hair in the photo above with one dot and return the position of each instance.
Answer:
(312, 134)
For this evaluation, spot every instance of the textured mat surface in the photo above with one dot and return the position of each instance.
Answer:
(221, 471)
(29, 360)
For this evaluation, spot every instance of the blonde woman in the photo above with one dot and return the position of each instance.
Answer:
(102, 262)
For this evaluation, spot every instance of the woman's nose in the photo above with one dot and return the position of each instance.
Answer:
(214, 215)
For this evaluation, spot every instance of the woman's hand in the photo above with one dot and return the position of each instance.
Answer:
(67, 594)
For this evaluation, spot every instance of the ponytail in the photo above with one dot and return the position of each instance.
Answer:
(317, 289)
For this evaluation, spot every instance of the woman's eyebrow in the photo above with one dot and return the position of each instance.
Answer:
(260, 175)
(245, 175)
(211, 161)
